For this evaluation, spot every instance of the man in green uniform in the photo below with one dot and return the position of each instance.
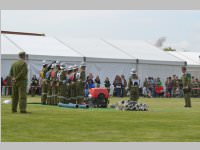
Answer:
(43, 83)
(54, 83)
(133, 85)
(62, 83)
(57, 82)
(81, 82)
(66, 83)
(186, 81)
(75, 84)
(70, 77)
(18, 72)
(49, 86)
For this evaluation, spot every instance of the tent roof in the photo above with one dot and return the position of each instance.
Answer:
(7, 47)
(192, 58)
(95, 48)
(35, 45)
(98, 50)
(142, 50)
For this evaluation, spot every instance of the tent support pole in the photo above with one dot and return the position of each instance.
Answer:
(137, 62)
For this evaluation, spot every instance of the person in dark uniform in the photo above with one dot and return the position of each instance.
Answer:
(19, 73)
(133, 85)
(186, 81)
(107, 84)
(44, 83)
(34, 85)
(81, 82)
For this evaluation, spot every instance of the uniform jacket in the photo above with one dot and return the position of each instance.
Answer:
(19, 70)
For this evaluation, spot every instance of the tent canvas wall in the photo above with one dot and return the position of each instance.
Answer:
(146, 58)
(192, 59)
(101, 58)
(151, 61)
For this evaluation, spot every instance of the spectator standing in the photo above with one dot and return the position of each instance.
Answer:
(97, 81)
(1, 85)
(117, 85)
(150, 87)
(34, 85)
(89, 84)
(107, 84)
(169, 86)
(174, 86)
(159, 91)
(145, 86)
(124, 84)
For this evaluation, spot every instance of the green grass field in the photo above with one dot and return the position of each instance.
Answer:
(167, 120)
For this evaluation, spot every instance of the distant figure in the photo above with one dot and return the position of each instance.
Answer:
(81, 82)
(133, 85)
(1, 84)
(19, 72)
(145, 88)
(124, 84)
(34, 85)
(44, 82)
(9, 85)
(89, 84)
(117, 86)
(107, 84)
(186, 80)
(97, 81)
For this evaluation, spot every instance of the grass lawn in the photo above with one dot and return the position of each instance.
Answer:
(167, 120)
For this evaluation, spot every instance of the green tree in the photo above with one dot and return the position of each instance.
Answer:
(169, 49)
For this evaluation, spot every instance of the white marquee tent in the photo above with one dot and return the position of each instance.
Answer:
(111, 57)
(192, 59)
(151, 61)
(103, 57)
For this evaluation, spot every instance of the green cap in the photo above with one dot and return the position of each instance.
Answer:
(22, 54)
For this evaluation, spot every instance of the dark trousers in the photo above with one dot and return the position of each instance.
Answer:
(118, 92)
(170, 92)
(122, 91)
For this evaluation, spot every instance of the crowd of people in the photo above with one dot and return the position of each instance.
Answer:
(119, 84)
(172, 87)
(151, 87)
(6, 86)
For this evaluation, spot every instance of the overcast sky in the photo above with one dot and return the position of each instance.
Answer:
(181, 28)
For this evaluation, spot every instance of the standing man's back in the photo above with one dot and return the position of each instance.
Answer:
(19, 73)
(186, 80)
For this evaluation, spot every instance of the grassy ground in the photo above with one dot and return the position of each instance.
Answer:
(167, 120)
